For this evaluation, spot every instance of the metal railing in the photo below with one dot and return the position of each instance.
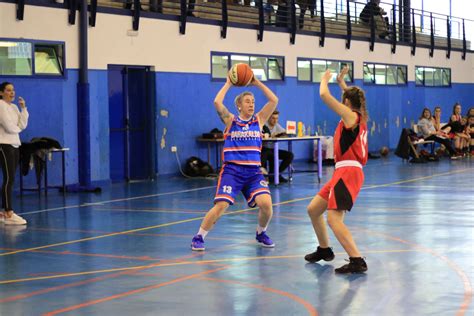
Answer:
(341, 18)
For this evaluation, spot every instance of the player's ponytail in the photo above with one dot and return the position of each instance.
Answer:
(357, 98)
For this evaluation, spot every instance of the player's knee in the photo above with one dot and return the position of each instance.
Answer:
(313, 210)
(221, 207)
(265, 205)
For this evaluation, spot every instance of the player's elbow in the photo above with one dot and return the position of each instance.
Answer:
(324, 95)
(275, 100)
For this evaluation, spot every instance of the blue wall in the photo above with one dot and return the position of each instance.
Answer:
(191, 112)
(188, 100)
(52, 107)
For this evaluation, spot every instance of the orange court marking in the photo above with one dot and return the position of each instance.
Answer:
(134, 272)
(201, 217)
(61, 287)
(128, 293)
(310, 308)
(468, 292)
(179, 263)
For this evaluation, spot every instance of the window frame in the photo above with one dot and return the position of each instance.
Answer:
(311, 75)
(443, 72)
(34, 75)
(229, 63)
(387, 67)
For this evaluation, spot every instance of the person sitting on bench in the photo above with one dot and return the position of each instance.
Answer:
(275, 130)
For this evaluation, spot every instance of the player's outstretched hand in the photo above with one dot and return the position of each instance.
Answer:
(327, 76)
(342, 74)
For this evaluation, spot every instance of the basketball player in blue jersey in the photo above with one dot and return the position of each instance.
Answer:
(241, 157)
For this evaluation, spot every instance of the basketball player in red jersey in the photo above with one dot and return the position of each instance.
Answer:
(340, 193)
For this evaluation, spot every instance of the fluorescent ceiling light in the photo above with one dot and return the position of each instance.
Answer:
(239, 57)
(8, 44)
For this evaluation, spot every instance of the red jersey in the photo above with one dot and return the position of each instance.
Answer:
(351, 143)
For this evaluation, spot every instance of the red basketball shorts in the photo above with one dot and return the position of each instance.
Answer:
(342, 190)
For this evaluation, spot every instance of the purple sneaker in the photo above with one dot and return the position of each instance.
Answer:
(197, 244)
(264, 240)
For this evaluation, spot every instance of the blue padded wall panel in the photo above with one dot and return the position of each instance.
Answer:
(99, 103)
(185, 110)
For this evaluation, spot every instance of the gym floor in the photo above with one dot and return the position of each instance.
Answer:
(126, 251)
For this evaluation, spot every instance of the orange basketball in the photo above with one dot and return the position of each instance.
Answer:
(240, 75)
(384, 151)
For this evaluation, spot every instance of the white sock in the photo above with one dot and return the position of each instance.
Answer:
(202, 232)
(261, 229)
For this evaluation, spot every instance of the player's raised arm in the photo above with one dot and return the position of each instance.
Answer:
(224, 114)
(340, 78)
(270, 106)
(348, 116)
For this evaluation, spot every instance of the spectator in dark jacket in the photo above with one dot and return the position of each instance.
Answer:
(372, 8)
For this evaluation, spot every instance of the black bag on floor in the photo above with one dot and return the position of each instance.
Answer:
(195, 167)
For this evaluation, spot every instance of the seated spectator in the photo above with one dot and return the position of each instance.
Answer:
(275, 130)
(372, 8)
(437, 118)
(470, 112)
(470, 132)
(429, 132)
(282, 14)
(457, 126)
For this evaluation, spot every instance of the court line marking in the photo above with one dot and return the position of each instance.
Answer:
(201, 217)
(199, 189)
(131, 234)
(193, 255)
(117, 200)
(468, 292)
(443, 187)
(62, 287)
(128, 293)
(451, 264)
(145, 210)
(181, 263)
(309, 307)
(126, 232)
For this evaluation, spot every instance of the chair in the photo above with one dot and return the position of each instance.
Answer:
(421, 141)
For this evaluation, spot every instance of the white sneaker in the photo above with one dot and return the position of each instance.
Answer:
(14, 220)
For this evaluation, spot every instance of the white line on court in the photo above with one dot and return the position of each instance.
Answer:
(209, 187)
(116, 200)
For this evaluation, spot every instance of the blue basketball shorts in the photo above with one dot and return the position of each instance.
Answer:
(236, 178)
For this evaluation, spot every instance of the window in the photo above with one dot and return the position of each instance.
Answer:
(15, 58)
(432, 77)
(49, 59)
(265, 68)
(31, 58)
(312, 70)
(381, 74)
(219, 66)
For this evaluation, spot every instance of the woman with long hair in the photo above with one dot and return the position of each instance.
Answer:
(339, 194)
(12, 122)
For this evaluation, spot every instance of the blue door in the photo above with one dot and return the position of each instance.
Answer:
(131, 120)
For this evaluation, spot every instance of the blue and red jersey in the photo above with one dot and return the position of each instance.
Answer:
(243, 142)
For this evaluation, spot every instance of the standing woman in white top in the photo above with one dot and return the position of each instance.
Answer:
(12, 122)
